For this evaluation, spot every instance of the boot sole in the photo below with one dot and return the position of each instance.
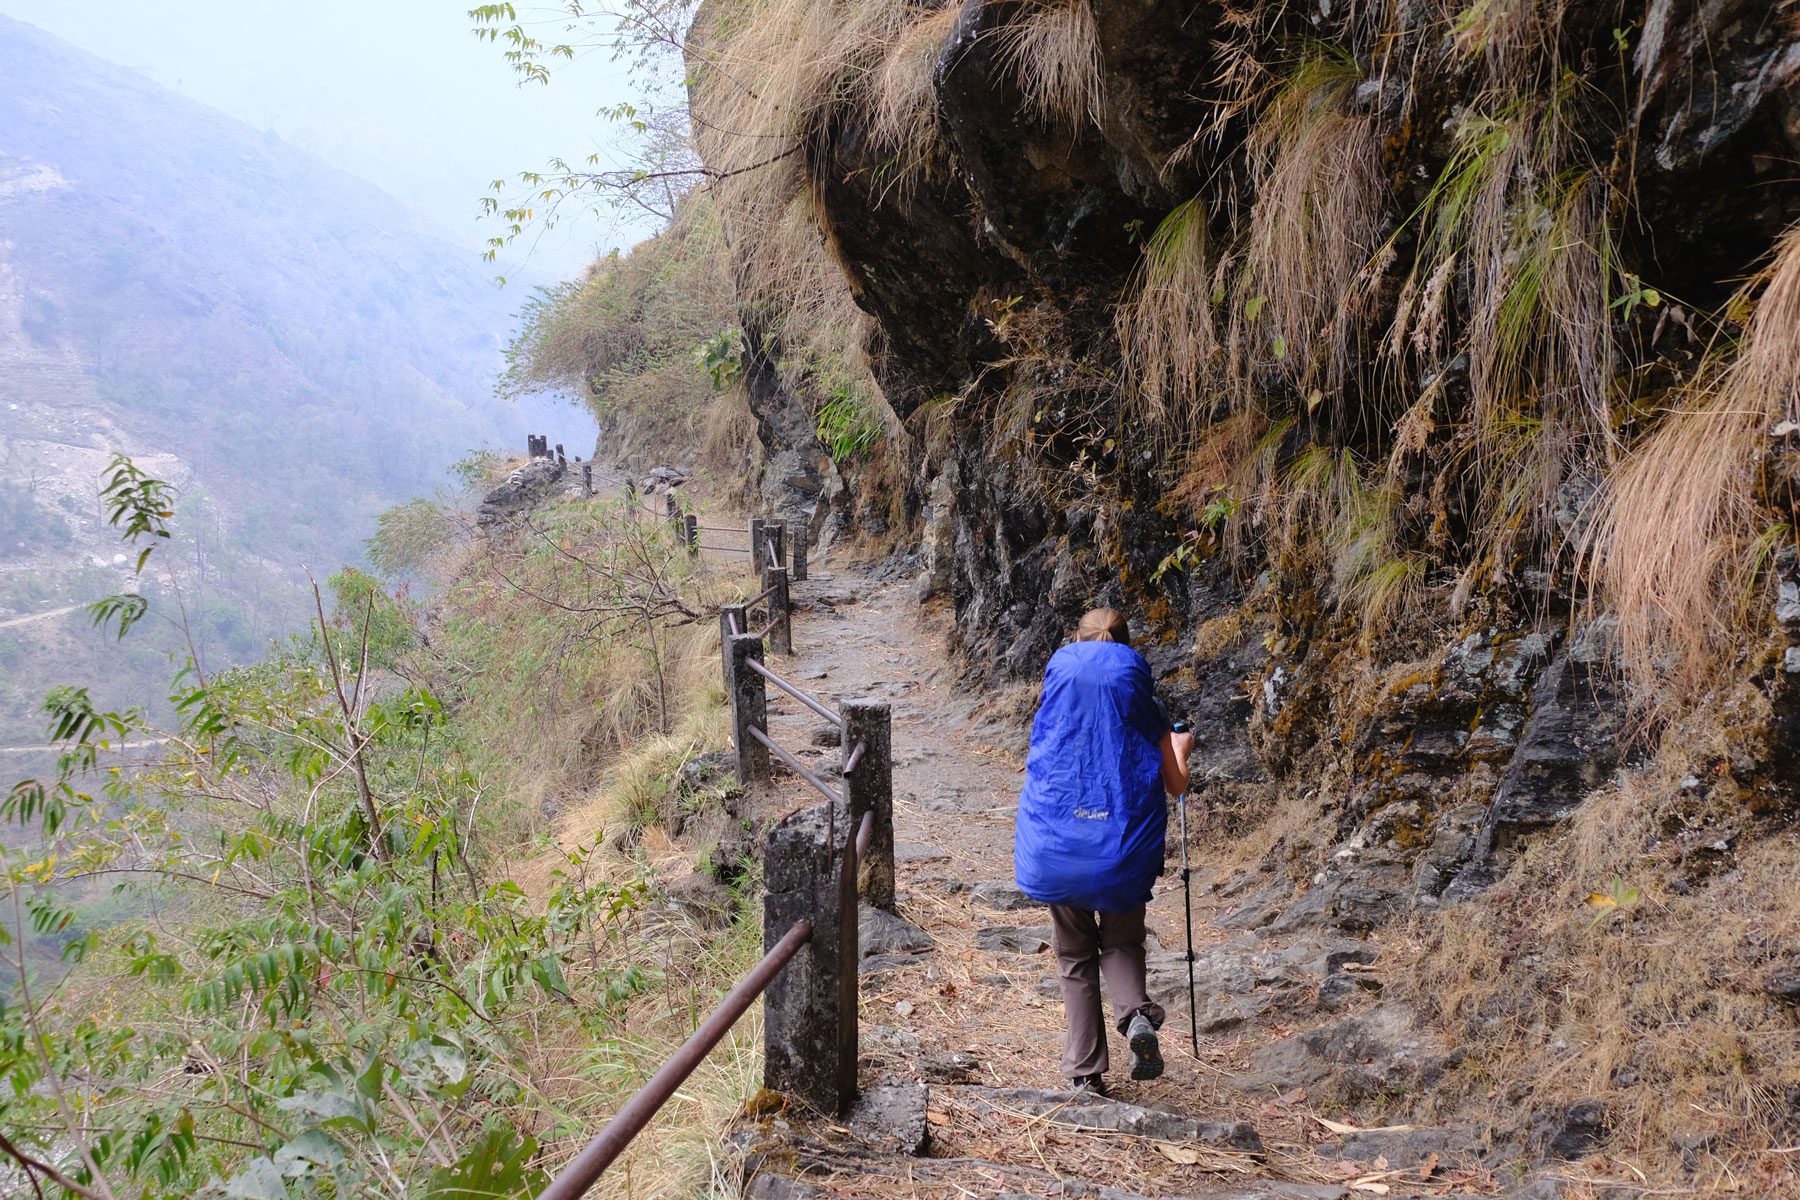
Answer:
(1146, 1057)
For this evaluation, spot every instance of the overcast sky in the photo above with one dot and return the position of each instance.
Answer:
(397, 91)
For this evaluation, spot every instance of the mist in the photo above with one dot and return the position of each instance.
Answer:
(399, 92)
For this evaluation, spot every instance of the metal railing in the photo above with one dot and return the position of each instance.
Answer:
(585, 1168)
(816, 879)
(768, 540)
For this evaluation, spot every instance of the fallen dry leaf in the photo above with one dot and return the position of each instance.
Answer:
(1340, 1127)
(1177, 1153)
(938, 1118)
(1380, 1189)
(1380, 1163)
(1428, 1166)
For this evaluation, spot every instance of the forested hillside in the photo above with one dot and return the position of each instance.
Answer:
(286, 342)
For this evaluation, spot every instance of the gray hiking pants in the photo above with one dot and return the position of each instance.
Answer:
(1088, 944)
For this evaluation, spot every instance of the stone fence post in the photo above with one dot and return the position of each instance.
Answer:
(749, 707)
(809, 1023)
(758, 548)
(728, 614)
(870, 787)
(775, 535)
(781, 617)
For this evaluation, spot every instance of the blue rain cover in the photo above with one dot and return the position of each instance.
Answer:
(1092, 817)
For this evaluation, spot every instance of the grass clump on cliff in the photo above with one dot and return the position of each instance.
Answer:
(1685, 525)
(1053, 49)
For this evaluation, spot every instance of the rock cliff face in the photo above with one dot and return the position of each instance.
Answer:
(1314, 335)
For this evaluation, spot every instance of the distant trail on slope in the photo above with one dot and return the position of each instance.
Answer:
(138, 745)
(43, 616)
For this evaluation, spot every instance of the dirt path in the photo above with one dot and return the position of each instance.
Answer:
(981, 1010)
(43, 616)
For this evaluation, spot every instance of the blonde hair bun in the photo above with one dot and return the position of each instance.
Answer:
(1104, 625)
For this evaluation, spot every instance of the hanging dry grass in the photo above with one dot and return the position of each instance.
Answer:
(1681, 538)
(768, 72)
(1312, 233)
(1168, 332)
(765, 73)
(1528, 243)
(1053, 49)
(902, 102)
(1510, 37)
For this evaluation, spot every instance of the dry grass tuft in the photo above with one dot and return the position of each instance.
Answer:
(1168, 331)
(902, 102)
(1054, 51)
(1312, 231)
(768, 74)
(1680, 537)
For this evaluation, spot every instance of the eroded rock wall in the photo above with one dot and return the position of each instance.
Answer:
(1444, 725)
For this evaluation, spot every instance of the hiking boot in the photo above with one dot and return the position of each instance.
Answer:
(1146, 1055)
(1092, 1084)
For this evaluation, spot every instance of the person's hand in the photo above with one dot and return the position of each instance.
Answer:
(1183, 745)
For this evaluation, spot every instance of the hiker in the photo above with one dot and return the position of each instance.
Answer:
(1089, 843)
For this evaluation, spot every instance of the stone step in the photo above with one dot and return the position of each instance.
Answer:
(1084, 1110)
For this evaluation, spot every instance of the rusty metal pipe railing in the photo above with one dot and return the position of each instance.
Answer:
(725, 549)
(796, 693)
(855, 757)
(798, 767)
(760, 596)
(864, 832)
(576, 1178)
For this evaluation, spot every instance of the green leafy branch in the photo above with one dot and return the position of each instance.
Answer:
(138, 506)
(1197, 543)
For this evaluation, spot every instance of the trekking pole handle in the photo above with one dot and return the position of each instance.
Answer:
(1181, 727)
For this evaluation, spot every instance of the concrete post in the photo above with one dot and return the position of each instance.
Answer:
(587, 478)
(797, 556)
(749, 706)
(870, 787)
(781, 624)
(726, 632)
(809, 1024)
(776, 533)
(692, 525)
(758, 551)
(561, 458)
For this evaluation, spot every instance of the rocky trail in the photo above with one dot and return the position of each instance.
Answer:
(962, 1017)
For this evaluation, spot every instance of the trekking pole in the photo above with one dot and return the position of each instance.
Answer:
(1187, 904)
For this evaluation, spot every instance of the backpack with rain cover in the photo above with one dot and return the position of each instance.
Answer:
(1092, 818)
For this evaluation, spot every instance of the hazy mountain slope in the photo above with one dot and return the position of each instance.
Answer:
(285, 340)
